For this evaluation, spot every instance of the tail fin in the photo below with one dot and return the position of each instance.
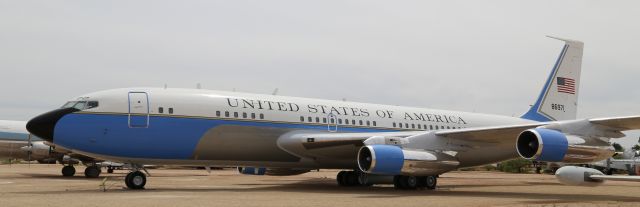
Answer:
(559, 97)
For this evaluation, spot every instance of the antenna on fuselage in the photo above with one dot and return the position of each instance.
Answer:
(275, 92)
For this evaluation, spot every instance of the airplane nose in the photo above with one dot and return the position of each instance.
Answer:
(44, 124)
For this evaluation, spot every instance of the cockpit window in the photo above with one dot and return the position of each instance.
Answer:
(92, 104)
(69, 104)
(81, 105)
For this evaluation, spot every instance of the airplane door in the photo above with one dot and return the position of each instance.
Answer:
(138, 110)
(332, 122)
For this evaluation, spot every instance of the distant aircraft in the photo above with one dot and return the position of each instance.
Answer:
(16, 143)
(406, 146)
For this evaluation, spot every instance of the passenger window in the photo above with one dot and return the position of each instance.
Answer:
(353, 122)
(261, 116)
(253, 115)
(413, 126)
(360, 122)
(431, 127)
(92, 104)
(244, 115)
(324, 120)
(419, 126)
(332, 120)
(394, 124)
(339, 121)
(406, 125)
(160, 110)
(235, 114)
(301, 118)
(310, 119)
(368, 123)
(346, 121)
(317, 120)
(226, 114)
(448, 127)
(436, 127)
(170, 110)
(374, 123)
(218, 113)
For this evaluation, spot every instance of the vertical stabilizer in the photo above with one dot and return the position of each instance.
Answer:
(559, 97)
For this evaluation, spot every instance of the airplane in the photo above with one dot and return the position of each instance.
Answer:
(17, 143)
(373, 144)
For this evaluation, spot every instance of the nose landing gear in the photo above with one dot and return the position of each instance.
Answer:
(135, 180)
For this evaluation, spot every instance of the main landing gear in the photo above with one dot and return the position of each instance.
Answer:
(135, 180)
(415, 182)
(357, 178)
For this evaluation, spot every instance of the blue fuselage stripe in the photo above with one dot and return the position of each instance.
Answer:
(165, 138)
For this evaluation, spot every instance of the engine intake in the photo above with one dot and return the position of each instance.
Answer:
(393, 160)
(542, 145)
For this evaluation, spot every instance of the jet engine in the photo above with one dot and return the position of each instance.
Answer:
(39, 150)
(271, 171)
(553, 146)
(572, 175)
(393, 160)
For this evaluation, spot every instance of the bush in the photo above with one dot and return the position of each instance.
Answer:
(518, 165)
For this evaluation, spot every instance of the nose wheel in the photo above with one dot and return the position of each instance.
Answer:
(68, 171)
(92, 171)
(135, 180)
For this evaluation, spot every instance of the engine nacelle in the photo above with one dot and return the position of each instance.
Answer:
(572, 175)
(542, 145)
(553, 146)
(393, 160)
(38, 150)
(271, 171)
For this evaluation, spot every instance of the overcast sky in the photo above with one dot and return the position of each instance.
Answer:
(482, 56)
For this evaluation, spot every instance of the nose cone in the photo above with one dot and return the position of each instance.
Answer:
(44, 124)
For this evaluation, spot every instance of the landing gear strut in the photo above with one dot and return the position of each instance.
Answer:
(135, 180)
(92, 171)
(68, 171)
(415, 182)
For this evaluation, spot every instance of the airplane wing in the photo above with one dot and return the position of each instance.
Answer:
(620, 123)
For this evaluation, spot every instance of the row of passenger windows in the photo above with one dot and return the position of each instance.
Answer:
(422, 126)
(245, 115)
(340, 121)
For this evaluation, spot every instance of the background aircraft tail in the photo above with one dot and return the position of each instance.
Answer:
(559, 97)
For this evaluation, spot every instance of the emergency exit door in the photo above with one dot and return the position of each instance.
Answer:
(138, 110)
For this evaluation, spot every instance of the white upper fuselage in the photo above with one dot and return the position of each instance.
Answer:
(283, 109)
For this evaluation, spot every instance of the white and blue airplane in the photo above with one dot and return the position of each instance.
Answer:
(280, 135)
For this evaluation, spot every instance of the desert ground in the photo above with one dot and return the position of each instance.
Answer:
(42, 185)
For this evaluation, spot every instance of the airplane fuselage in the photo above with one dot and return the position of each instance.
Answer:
(203, 127)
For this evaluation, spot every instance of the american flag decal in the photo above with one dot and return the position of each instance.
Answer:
(566, 85)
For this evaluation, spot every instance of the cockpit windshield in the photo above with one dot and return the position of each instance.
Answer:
(81, 105)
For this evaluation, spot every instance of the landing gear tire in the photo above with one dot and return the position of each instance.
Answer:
(135, 180)
(340, 178)
(92, 172)
(430, 182)
(415, 182)
(109, 170)
(350, 178)
(68, 171)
